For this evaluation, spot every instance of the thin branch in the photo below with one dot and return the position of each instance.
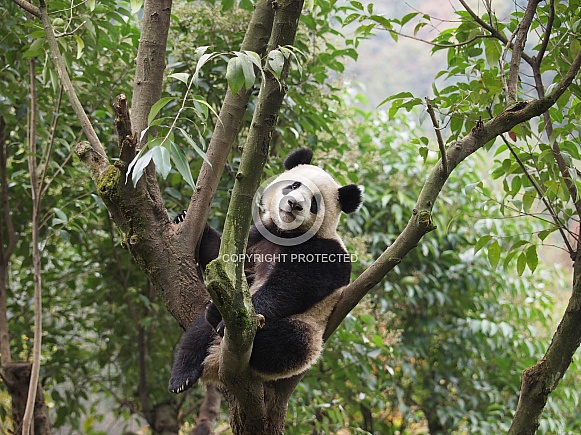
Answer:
(540, 193)
(539, 57)
(5, 252)
(438, 131)
(46, 158)
(542, 197)
(28, 7)
(32, 169)
(493, 31)
(519, 46)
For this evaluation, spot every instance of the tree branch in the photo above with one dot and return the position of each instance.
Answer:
(226, 280)
(5, 252)
(150, 61)
(436, 126)
(420, 222)
(226, 129)
(540, 380)
(59, 63)
(519, 46)
(28, 7)
(35, 191)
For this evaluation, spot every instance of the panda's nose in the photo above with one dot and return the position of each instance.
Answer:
(294, 204)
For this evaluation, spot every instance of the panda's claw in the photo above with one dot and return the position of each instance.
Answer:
(180, 383)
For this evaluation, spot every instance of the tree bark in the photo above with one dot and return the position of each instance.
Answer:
(17, 377)
(540, 380)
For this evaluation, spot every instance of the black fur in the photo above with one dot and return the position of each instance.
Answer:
(187, 367)
(210, 243)
(289, 288)
(350, 198)
(302, 156)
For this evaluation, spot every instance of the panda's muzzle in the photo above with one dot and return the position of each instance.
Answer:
(294, 204)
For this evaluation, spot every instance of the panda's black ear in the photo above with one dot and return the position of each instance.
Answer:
(302, 156)
(350, 198)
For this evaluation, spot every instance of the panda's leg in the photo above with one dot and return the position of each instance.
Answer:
(284, 348)
(194, 348)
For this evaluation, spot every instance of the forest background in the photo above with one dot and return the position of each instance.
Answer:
(438, 346)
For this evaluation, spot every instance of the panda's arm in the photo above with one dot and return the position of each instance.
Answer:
(209, 246)
(299, 282)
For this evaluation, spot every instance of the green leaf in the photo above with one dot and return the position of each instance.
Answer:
(162, 102)
(492, 51)
(521, 263)
(528, 199)
(194, 145)
(80, 46)
(182, 165)
(532, 257)
(161, 158)
(235, 75)
(91, 5)
(248, 70)
(480, 243)
(494, 254)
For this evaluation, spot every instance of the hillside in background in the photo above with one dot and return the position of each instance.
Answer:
(411, 64)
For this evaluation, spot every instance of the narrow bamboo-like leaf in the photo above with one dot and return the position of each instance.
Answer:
(182, 165)
(161, 158)
(480, 243)
(494, 254)
(182, 77)
(162, 102)
(140, 166)
(532, 257)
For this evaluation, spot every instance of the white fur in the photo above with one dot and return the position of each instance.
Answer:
(314, 180)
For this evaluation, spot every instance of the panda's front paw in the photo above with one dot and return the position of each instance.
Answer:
(181, 382)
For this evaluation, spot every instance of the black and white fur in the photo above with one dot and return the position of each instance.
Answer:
(295, 297)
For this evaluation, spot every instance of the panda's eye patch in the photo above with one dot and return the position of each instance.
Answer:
(291, 187)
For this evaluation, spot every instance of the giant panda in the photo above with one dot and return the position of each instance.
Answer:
(295, 264)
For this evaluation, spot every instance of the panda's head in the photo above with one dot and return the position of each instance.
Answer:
(306, 199)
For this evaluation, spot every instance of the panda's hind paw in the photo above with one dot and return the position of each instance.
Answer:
(180, 383)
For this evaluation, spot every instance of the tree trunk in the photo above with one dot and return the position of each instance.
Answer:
(17, 381)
